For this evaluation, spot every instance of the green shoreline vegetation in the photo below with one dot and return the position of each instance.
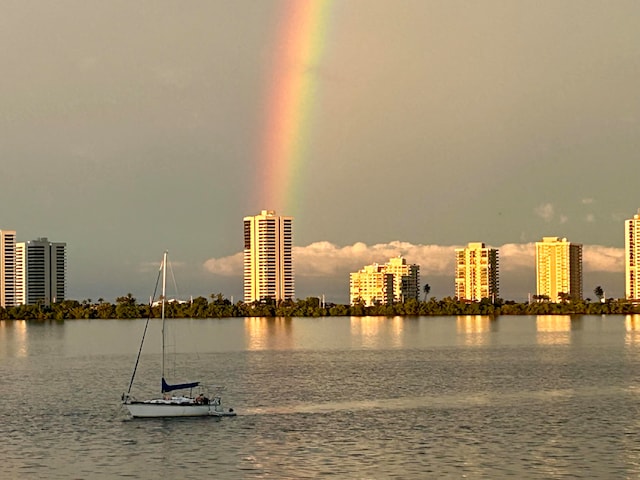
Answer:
(217, 306)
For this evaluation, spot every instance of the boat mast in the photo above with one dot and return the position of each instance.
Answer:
(164, 286)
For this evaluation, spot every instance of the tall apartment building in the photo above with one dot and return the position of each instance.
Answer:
(41, 268)
(632, 257)
(558, 269)
(371, 284)
(268, 257)
(476, 272)
(7, 268)
(406, 279)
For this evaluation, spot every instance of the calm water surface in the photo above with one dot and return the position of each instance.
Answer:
(422, 397)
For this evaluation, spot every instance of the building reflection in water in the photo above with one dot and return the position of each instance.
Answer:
(13, 335)
(553, 329)
(474, 329)
(376, 332)
(632, 328)
(263, 333)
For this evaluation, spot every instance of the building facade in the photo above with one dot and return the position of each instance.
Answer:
(558, 269)
(632, 257)
(406, 279)
(476, 274)
(371, 284)
(41, 272)
(7, 268)
(268, 257)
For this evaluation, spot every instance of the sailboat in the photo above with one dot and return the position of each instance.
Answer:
(193, 402)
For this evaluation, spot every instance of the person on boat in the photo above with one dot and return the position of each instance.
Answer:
(202, 400)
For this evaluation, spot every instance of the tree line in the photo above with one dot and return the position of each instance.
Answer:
(218, 306)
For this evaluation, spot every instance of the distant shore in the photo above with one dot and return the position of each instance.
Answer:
(217, 306)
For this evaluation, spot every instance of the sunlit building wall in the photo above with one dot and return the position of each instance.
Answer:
(632, 257)
(41, 268)
(476, 272)
(558, 269)
(7, 268)
(406, 279)
(372, 285)
(268, 257)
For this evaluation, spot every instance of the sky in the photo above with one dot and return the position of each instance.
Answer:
(384, 128)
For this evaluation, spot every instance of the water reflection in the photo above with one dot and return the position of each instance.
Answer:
(13, 334)
(632, 328)
(374, 332)
(474, 328)
(553, 329)
(263, 333)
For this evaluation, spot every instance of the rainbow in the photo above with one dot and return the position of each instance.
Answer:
(290, 97)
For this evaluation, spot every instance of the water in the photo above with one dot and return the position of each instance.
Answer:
(446, 397)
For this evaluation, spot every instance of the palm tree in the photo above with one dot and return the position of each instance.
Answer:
(599, 292)
(426, 289)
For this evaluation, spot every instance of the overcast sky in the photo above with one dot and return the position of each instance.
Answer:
(127, 128)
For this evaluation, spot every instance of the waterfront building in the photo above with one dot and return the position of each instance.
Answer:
(371, 284)
(7, 268)
(268, 257)
(406, 279)
(41, 272)
(476, 274)
(558, 269)
(632, 257)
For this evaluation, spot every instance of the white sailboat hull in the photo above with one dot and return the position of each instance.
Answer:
(150, 410)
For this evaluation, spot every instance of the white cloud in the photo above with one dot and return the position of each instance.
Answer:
(230, 266)
(325, 259)
(516, 256)
(545, 211)
(587, 201)
(596, 258)
(590, 218)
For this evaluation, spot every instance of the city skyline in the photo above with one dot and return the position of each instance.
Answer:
(410, 129)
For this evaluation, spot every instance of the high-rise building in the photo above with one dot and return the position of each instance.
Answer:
(268, 257)
(395, 281)
(476, 272)
(371, 285)
(406, 279)
(41, 268)
(558, 269)
(7, 268)
(632, 257)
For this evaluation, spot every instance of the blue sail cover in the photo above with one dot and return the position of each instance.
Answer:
(170, 388)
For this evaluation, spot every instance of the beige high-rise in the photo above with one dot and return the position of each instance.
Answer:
(372, 285)
(395, 281)
(632, 257)
(558, 269)
(476, 272)
(7, 268)
(268, 257)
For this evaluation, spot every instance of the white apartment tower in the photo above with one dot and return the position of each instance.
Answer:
(476, 272)
(268, 257)
(7, 268)
(558, 269)
(40, 272)
(632, 257)
(395, 281)
(372, 285)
